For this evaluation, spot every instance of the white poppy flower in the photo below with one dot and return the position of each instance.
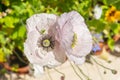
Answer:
(74, 36)
(40, 47)
(97, 12)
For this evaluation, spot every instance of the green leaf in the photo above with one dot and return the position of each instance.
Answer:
(111, 2)
(14, 35)
(96, 25)
(2, 56)
(21, 32)
(111, 43)
(114, 27)
(6, 2)
(6, 51)
(10, 21)
(2, 38)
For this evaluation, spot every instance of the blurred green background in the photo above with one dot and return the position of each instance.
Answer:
(13, 15)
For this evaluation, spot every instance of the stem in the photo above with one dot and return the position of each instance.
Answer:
(59, 72)
(19, 57)
(101, 64)
(116, 2)
(48, 73)
(76, 71)
(83, 72)
(99, 72)
(95, 40)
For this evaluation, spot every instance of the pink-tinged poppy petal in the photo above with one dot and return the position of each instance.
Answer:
(38, 55)
(64, 32)
(84, 40)
(76, 60)
(42, 22)
(39, 27)
(38, 70)
(30, 44)
(59, 53)
(73, 35)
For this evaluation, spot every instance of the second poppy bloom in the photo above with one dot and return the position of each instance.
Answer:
(74, 36)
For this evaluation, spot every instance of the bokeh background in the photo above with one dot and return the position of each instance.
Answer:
(13, 15)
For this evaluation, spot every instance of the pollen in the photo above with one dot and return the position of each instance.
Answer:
(46, 43)
(74, 40)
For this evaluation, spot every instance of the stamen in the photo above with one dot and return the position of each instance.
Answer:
(112, 13)
(74, 40)
(42, 31)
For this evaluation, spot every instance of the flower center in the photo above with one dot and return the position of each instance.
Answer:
(112, 13)
(46, 43)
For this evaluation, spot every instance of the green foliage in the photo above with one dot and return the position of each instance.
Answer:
(13, 22)
(96, 25)
(2, 56)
